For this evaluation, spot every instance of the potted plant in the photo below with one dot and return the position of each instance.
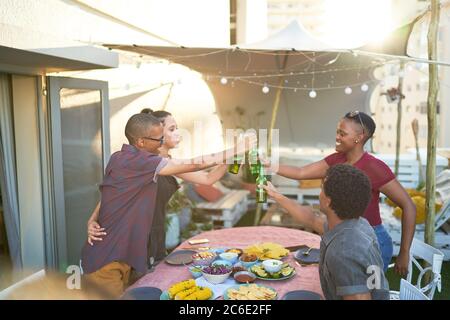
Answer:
(179, 211)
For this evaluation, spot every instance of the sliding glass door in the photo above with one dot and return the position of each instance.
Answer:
(80, 147)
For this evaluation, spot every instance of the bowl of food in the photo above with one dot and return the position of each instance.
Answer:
(248, 260)
(244, 277)
(218, 250)
(235, 250)
(272, 265)
(204, 258)
(196, 271)
(216, 274)
(238, 267)
(229, 256)
(224, 263)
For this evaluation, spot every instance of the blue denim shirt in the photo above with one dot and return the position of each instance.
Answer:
(350, 261)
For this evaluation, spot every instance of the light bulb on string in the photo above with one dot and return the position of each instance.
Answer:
(312, 94)
(223, 80)
(348, 90)
(364, 87)
(265, 89)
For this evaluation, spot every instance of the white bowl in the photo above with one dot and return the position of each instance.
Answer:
(272, 265)
(198, 260)
(229, 256)
(216, 278)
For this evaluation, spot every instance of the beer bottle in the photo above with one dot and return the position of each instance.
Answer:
(253, 161)
(234, 167)
(261, 193)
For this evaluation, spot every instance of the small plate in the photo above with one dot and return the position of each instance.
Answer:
(226, 297)
(301, 295)
(312, 258)
(142, 293)
(180, 257)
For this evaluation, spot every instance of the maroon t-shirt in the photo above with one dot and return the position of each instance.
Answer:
(379, 174)
(128, 194)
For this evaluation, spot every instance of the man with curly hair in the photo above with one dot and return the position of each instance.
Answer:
(350, 263)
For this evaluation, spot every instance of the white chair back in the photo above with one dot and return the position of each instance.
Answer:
(434, 258)
(410, 292)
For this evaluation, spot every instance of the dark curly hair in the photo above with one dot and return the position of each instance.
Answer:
(349, 190)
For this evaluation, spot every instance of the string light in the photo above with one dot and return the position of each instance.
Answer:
(223, 80)
(265, 89)
(364, 87)
(348, 90)
(312, 94)
(310, 87)
(297, 73)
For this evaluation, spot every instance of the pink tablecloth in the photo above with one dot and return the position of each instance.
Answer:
(306, 278)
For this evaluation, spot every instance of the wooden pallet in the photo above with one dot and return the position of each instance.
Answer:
(227, 211)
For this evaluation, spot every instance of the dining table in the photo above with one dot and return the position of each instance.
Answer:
(306, 277)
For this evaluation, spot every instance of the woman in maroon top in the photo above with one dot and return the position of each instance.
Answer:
(353, 131)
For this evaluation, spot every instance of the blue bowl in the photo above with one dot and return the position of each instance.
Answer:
(196, 271)
(246, 264)
(222, 262)
(218, 250)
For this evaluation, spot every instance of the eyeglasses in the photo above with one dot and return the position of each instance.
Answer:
(353, 114)
(160, 140)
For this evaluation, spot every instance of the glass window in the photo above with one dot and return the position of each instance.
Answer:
(81, 136)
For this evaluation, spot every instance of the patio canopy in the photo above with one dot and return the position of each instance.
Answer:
(244, 81)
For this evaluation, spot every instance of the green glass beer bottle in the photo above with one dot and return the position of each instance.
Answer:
(234, 167)
(253, 161)
(261, 193)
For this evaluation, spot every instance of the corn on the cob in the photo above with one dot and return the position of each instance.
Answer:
(180, 286)
(202, 293)
(183, 294)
